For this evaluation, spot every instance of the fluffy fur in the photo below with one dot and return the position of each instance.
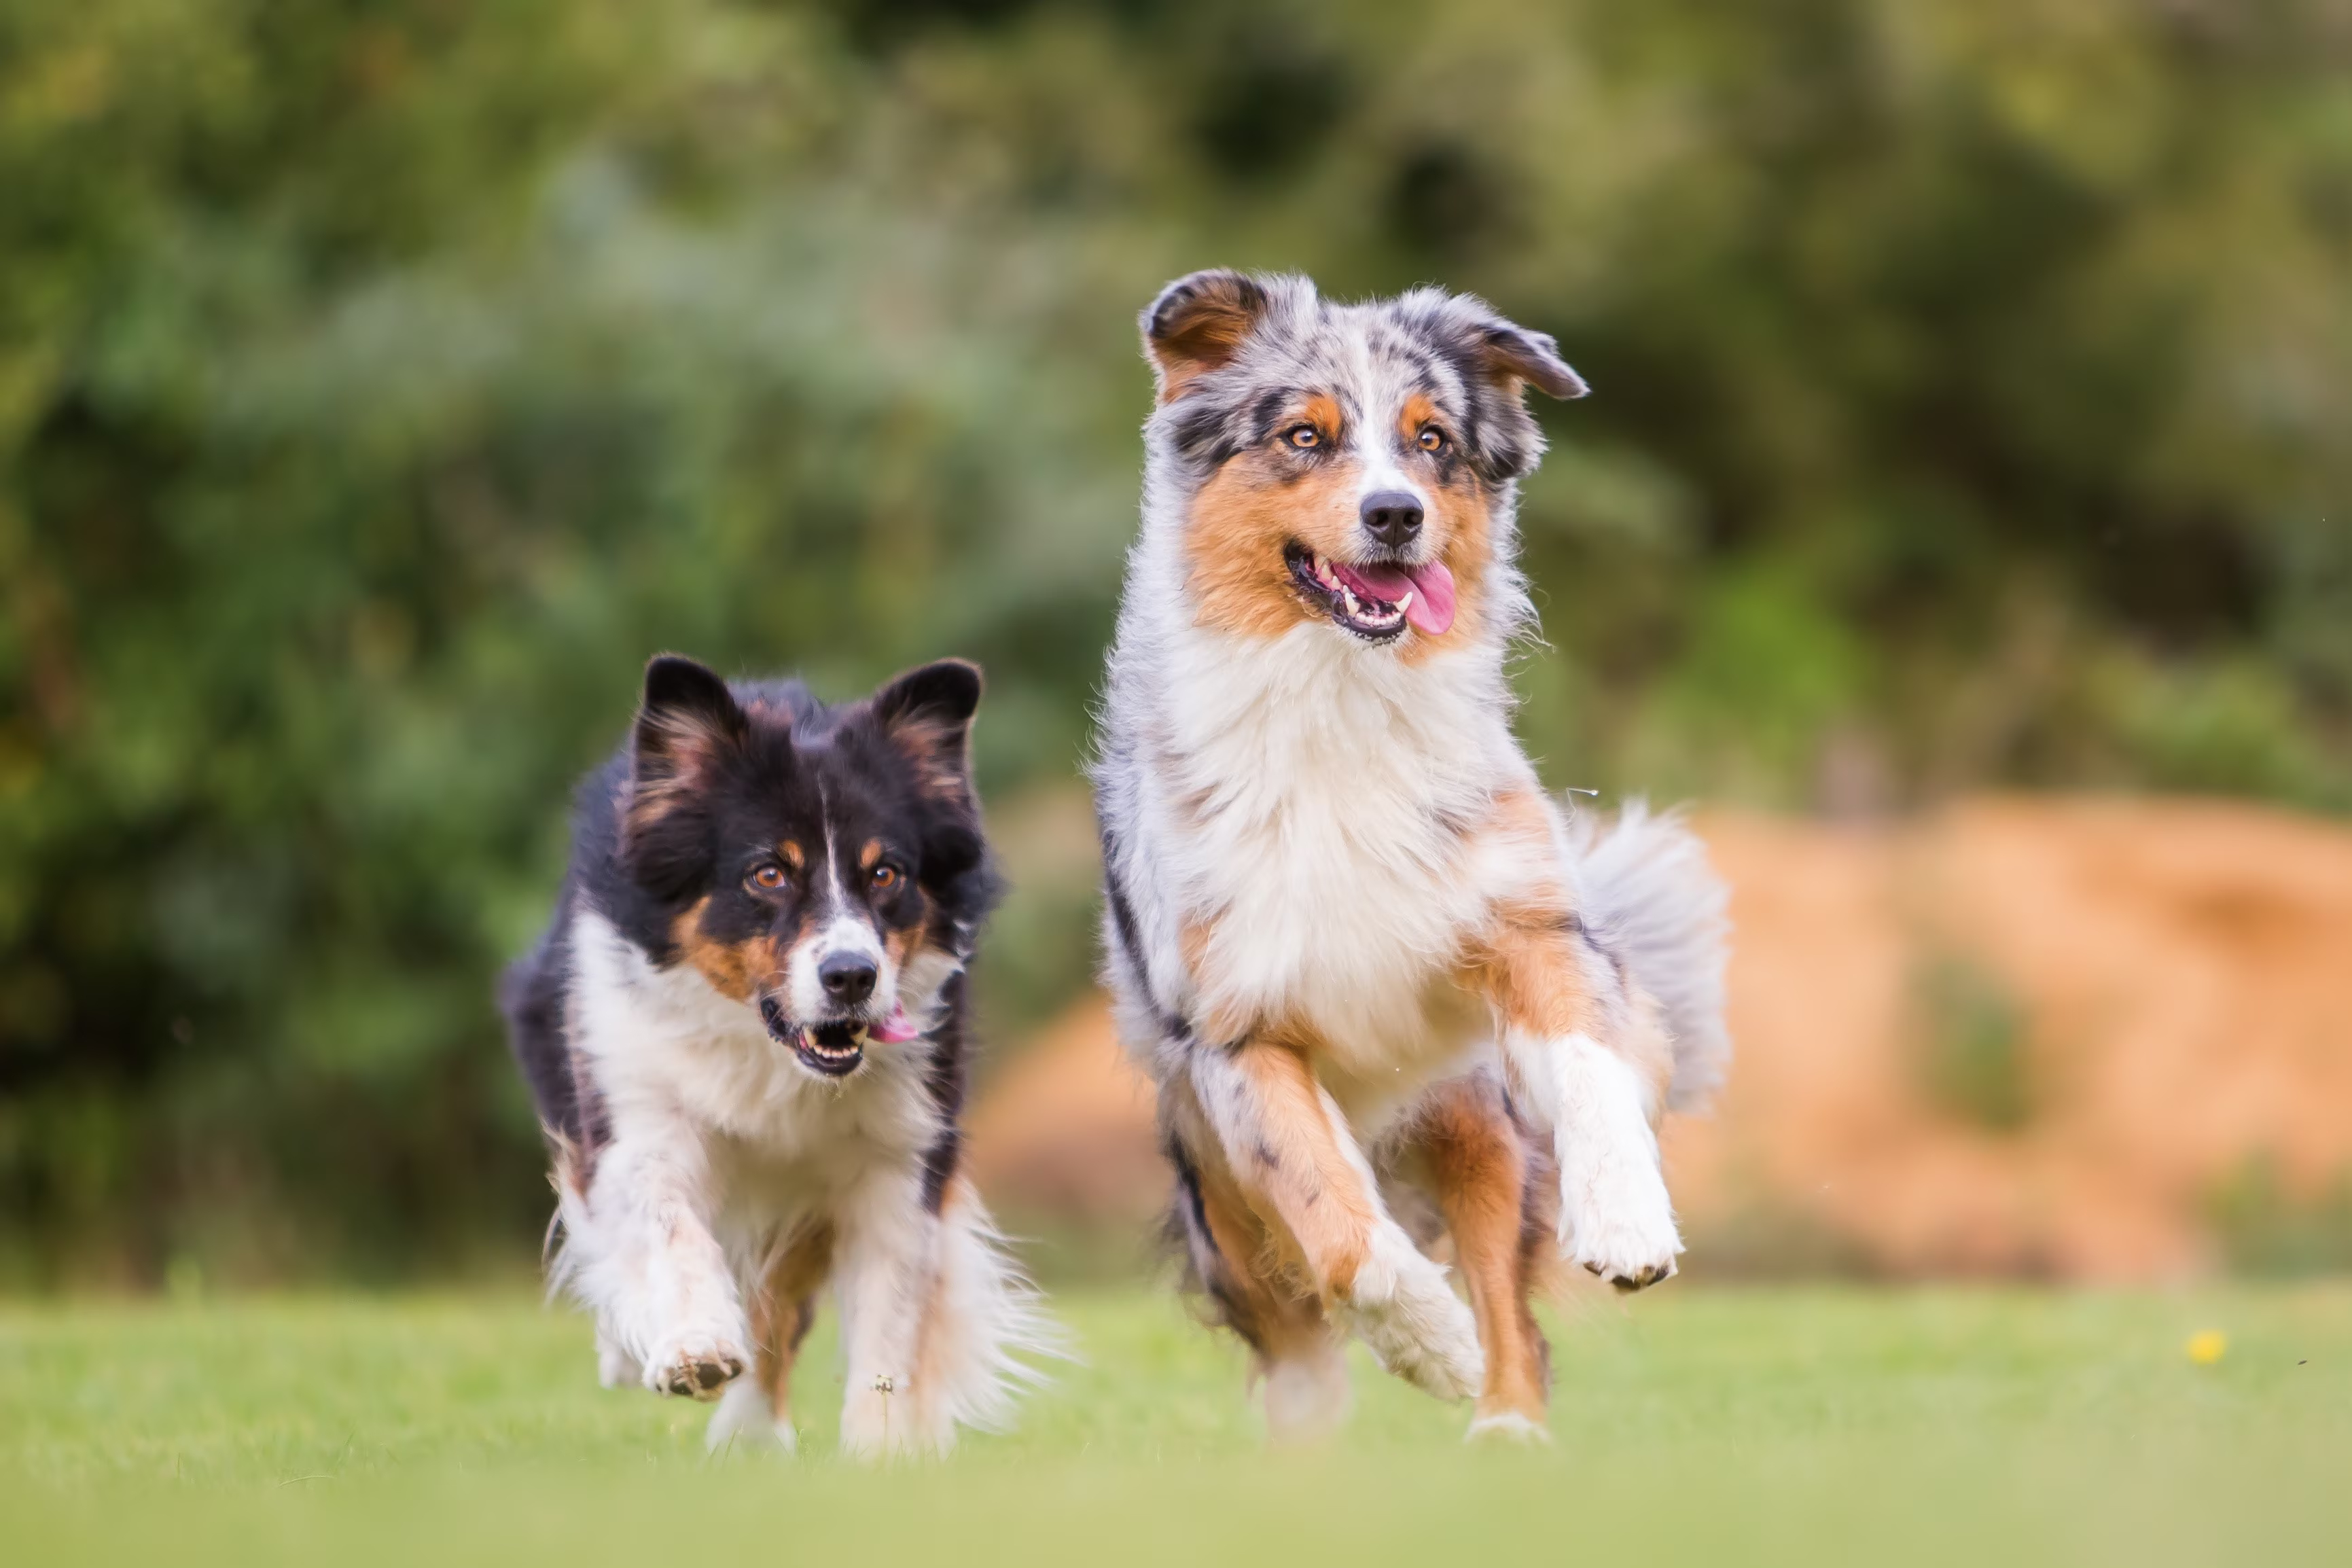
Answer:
(745, 1032)
(1357, 946)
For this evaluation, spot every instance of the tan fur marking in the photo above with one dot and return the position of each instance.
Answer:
(867, 855)
(785, 1307)
(1241, 520)
(1211, 331)
(1259, 1279)
(1323, 411)
(900, 944)
(734, 969)
(939, 754)
(1301, 1178)
(683, 747)
(1418, 410)
(1193, 940)
(1285, 1323)
(1529, 959)
(795, 856)
(1477, 1169)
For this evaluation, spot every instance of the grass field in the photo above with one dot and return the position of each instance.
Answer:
(1821, 1424)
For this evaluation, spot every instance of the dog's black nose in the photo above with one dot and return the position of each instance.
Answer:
(846, 976)
(1393, 517)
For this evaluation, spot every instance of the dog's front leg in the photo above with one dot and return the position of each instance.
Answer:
(1297, 1163)
(887, 1259)
(642, 1255)
(1594, 1064)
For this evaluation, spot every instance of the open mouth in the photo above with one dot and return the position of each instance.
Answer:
(1375, 600)
(834, 1048)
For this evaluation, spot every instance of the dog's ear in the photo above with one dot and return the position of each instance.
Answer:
(1513, 353)
(1199, 324)
(687, 717)
(686, 721)
(927, 713)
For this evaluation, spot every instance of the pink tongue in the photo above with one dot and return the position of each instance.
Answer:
(1432, 588)
(895, 1029)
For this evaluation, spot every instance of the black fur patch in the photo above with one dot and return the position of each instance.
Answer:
(945, 1081)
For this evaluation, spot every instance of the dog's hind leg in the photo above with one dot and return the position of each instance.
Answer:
(1294, 1349)
(982, 1316)
(1466, 1150)
(1298, 1166)
(932, 1315)
(756, 1411)
(886, 1256)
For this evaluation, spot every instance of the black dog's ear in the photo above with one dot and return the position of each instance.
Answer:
(927, 713)
(687, 715)
(686, 721)
(1514, 352)
(1199, 324)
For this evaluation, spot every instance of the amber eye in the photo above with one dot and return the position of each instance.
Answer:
(1431, 438)
(768, 877)
(1303, 436)
(884, 877)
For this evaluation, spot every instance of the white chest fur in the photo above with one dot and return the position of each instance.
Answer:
(666, 1047)
(1308, 801)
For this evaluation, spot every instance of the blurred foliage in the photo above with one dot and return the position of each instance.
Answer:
(381, 381)
(2269, 1228)
(1974, 1062)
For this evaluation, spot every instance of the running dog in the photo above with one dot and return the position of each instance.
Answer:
(745, 1032)
(1358, 948)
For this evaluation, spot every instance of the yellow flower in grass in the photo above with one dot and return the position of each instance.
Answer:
(2207, 1346)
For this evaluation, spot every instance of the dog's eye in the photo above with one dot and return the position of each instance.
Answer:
(1303, 436)
(886, 876)
(768, 878)
(1431, 438)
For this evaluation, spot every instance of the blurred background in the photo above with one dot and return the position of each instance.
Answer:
(1962, 521)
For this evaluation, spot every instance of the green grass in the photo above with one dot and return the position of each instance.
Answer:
(1717, 1426)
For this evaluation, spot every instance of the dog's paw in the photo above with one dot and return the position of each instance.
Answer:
(884, 1419)
(1414, 1325)
(745, 1422)
(1620, 1225)
(1508, 1428)
(1306, 1394)
(693, 1366)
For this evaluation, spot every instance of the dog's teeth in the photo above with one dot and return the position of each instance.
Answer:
(1349, 596)
(1401, 604)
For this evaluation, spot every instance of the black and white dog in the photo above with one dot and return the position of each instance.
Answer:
(745, 1032)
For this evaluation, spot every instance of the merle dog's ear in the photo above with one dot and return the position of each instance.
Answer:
(688, 716)
(927, 713)
(1515, 354)
(1199, 324)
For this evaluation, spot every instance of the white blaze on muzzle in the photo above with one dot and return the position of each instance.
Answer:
(841, 943)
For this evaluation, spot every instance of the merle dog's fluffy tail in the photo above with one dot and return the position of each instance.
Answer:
(1651, 895)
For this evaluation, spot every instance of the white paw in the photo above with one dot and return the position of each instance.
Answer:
(745, 1422)
(1616, 1220)
(696, 1363)
(1403, 1310)
(1508, 1426)
(1306, 1397)
(882, 1418)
